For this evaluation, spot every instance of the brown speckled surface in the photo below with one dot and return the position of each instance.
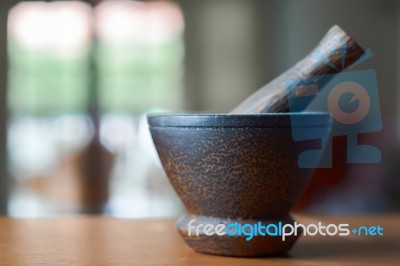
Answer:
(243, 171)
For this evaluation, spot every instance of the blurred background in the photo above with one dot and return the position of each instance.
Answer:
(78, 77)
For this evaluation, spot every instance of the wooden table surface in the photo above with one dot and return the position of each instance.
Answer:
(86, 240)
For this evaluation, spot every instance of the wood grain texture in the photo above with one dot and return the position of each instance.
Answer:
(107, 241)
(273, 97)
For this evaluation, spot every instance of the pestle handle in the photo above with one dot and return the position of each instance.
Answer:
(335, 52)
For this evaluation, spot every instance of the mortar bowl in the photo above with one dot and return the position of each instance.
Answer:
(236, 169)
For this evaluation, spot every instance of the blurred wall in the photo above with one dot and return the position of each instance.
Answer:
(234, 47)
(224, 51)
(4, 6)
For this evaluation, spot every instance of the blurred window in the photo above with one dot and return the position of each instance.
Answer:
(123, 57)
(139, 55)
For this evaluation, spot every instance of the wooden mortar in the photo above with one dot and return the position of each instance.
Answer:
(243, 166)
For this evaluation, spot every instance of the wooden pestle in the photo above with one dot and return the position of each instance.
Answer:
(326, 58)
